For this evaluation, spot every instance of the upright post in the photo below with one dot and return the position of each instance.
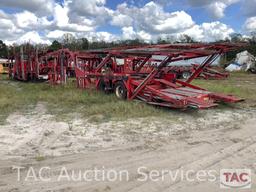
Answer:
(62, 76)
(37, 64)
(22, 63)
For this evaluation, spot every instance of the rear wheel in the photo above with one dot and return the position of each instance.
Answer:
(253, 70)
(186, 74)
(120, 90)
(102, 86)
(105, 87)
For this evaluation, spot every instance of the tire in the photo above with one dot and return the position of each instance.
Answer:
(12, 75)
(253, 70)
(102, 86)
(185, 74)
(120, 90)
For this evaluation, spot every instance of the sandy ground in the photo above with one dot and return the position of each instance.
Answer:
(207, 140)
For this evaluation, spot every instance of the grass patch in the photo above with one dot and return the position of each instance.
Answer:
(39, 158)
(239, 84)
(66, 101)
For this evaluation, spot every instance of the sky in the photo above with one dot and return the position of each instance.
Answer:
(42, 21)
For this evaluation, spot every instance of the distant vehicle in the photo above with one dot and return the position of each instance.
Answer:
(4, 66)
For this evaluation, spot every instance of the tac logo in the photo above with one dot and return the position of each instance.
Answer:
(235, 178)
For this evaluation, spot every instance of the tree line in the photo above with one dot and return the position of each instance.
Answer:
(75, 44)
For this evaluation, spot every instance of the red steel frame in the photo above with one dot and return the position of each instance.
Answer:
(55, 66)
(26, 65)
(136, 77)
(183, 72)
(58, 64)
(154, 87)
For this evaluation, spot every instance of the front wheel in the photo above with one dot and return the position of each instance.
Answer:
(120, 90)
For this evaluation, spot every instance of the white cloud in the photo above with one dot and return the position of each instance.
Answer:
(57, 34)
(62, 20)
(89, 7)
(8, 29)
(3, 14)
(152, 18)
(41, 7)
(30, 37)
(151, 21)
(128, 33)
(175, 21)
(29, 21)
(250, 24)
(94, 10)
(61, 15)
(121, 20)
(82, 19)
(100, 36)
(216, 8)
(91, 36)
(196, 32)
(145, 36)
(209, 32)
(216, 31)
(25, 19)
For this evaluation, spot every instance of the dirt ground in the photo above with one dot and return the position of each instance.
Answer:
(205, 140)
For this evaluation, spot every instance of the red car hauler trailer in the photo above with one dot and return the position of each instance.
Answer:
(58, 65)
(53, 66)
(25, 66)
(184, 72)
(128, 73)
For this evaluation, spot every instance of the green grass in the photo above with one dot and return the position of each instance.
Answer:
(66, 101)
(40, 158)
(240, 84)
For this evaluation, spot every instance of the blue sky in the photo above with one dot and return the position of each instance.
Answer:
(42, 21)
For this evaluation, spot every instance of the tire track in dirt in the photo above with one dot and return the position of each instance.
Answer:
(244, 155)
(188, 148)
(213, 160)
